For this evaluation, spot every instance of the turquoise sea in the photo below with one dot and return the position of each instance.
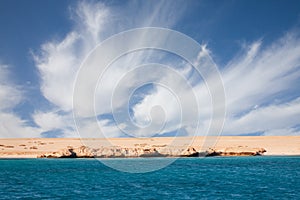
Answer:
(187, 178)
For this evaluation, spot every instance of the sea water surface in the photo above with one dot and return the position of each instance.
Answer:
(187, 178)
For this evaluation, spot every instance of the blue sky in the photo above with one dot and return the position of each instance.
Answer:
(255, 44)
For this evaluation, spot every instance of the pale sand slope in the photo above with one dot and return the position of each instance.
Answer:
(33, 147)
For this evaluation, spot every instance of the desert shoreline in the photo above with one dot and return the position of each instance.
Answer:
(150, 147)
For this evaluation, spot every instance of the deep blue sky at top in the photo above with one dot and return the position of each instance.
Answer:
(223, 25)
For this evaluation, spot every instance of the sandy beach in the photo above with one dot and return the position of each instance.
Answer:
(34, 147)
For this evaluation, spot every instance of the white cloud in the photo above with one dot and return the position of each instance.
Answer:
(177, 100)
(58, 61)
(11, 125)
(257, 85)
(283, 131)
(261, 83)
(268, 119)
(90, 128)
(92, 19)
(257, 77)
(58, 65)
(48, 121)
(253, 80)
(10, 96)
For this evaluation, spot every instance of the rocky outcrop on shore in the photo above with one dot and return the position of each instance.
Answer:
(122, 152)
(236, 151)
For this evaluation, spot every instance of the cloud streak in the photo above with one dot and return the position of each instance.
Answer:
(260, 82)
(59, 61)
(259, 87)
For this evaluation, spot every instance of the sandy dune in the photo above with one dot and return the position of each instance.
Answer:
(34, 147)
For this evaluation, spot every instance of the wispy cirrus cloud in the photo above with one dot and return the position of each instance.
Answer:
(59, 61)
(259, 82)
(260, 87)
